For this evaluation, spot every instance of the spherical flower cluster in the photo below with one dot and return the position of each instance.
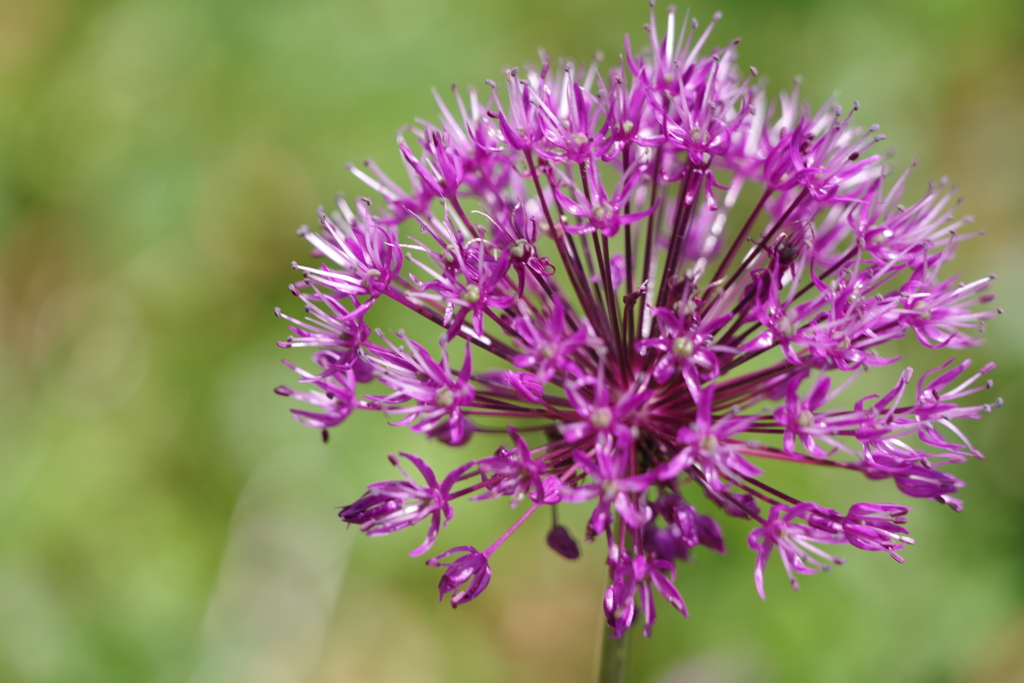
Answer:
(596, 299)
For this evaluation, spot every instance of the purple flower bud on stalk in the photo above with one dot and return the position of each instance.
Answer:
(635, 334)
(562, 542)
(466, 577)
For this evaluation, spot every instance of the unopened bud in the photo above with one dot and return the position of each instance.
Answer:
(562, 542)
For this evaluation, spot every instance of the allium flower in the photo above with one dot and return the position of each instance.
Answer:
(597, 299)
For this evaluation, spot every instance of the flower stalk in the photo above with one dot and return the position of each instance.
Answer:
(615, 657)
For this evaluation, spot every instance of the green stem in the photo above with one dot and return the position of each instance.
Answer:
(615, 657)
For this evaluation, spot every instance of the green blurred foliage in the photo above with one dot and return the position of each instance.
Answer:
(162, 518)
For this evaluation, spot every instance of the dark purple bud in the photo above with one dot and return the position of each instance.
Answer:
(710, 534)
(562, 542)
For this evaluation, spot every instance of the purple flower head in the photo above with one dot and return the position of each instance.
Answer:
(598, 299)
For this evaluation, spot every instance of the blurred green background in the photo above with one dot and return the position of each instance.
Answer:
(161, 516)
